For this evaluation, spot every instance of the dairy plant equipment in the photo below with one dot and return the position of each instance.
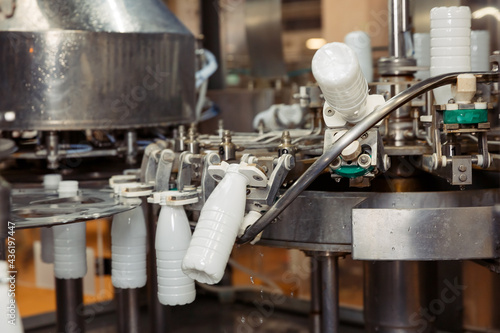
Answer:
(400, 173)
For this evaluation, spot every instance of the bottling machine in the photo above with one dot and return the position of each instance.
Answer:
(399, 172)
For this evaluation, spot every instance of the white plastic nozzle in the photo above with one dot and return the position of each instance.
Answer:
(480, 50)
(10, 319)
(70, 259)
(128, 249)
(173, 235)
(50, 182)
(336, 69)
(360, 43)
(67, 188)
(217, 228)
(450, 45)
(422, 47)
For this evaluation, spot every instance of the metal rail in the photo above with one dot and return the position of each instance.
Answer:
(355, 132)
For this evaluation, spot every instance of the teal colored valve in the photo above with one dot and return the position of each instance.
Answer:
(468, 116)
(352, 171)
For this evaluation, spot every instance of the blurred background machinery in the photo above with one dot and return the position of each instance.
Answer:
(336, 161)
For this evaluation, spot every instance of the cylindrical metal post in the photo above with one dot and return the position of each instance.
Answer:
(69, 302)
(316, 292)
(398, 24)
(330, 294)
(131, 141)
(127, 306)
(396, 298)
(159, 313)
(52, 148)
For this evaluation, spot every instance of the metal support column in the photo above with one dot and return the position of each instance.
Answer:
(398, 295)
(69, 302)
(316, 293)
(330, 293)
(127, 306)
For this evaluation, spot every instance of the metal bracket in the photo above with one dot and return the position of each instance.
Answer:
(164, 169)
(264, 196)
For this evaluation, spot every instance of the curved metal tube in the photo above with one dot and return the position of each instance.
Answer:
(355, 132)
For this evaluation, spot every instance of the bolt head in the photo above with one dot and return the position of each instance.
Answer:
(462, 177)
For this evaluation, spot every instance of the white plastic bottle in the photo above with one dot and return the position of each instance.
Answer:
(128, 249)
(70, 259)
(422, 47)
(480, 50)
(217, 228)
(173, 235)
(360, 43)
(50, 182)
(10, 319)
(336, 69)
(450, 45)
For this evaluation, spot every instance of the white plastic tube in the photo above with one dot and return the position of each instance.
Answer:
(480, 50)
(50, 182)
(360, 43)
(336, 69)
(217, 228)
(208, 69)
(450, 45)
(422, 47)
(128, 249)
(10, 319)
(173, 235)
(70, 259)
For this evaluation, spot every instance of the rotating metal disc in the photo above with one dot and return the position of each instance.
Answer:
(34, 207)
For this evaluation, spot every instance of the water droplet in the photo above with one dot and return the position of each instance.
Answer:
(291, 293)
(251, 280)
(409, 228)
(393, 248)
(242, 319)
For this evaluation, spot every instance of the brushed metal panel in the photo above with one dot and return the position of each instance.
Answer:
(427, 226)
(319, 221)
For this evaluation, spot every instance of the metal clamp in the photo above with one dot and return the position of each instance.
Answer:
(175, 198)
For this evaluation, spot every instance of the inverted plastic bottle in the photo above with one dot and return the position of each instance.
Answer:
(450, 45)
(70, 259)
(173, 235)
(336, 69)
(10, 319)
(422, 47)
(128, 249)
(217, 228)
(480, 50)
(50, 182)
(360, 43)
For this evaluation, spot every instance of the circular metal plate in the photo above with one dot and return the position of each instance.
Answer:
(34, 208)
